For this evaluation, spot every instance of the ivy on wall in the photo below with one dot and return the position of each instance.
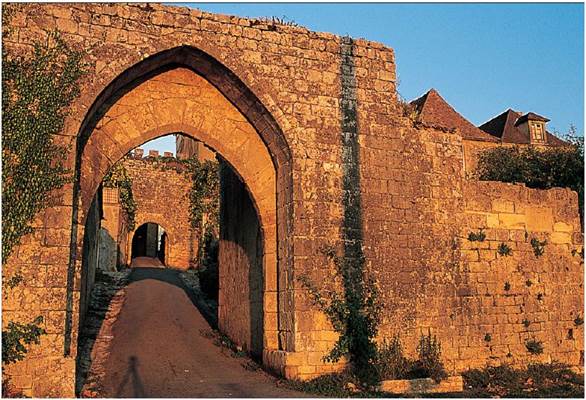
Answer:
(37, 91)
(204, 205)
(354, 312)
(118, 177)
(204, 209)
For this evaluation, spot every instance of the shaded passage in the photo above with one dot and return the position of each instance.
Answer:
(158, 351)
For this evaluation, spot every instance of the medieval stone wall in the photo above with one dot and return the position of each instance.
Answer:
(160, 192)
(240, 300)
(339, 167)
(112, 234)
(522, 296)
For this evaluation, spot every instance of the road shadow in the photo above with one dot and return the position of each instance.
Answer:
(133, 376)
(105, 289)
(172, 277)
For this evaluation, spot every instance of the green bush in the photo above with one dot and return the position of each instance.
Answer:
(504, 249)
(538, 247)
(534, 346)
(330, 385)
(479, 236)
(390, 361)
(204, 194)
(537, 380)
(118, 177)
(37, 90)
(429, 362)
(354, 312)
(537, 168)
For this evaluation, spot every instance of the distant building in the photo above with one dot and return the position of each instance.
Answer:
(187, 147)
(509, 128)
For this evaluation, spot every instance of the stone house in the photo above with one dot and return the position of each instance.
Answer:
(507, 129)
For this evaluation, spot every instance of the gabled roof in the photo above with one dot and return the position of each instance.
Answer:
(433, 110)
(504, 127)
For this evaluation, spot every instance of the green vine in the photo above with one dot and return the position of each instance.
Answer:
(204, 194)
(17, 336)
(354, 312)
(37, 90)
(118, 177)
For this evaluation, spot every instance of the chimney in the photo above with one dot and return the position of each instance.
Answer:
(138, 152)
(168, 154)
(153, 153)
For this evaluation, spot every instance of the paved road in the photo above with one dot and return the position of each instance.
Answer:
(158, 351)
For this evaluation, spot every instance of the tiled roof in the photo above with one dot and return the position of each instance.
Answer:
(433, 110)
(530, 117)
(504, 127)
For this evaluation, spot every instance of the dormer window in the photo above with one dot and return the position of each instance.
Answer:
(532, 127)
(537, 134)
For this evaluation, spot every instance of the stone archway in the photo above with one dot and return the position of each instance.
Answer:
(172, 93)
(147, 241)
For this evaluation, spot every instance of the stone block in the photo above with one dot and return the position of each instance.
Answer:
(562, 227)
(561, 238)
(503, 206)
(539, 219)
(512, 221)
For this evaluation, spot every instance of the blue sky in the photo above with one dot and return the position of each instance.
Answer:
(482, 58)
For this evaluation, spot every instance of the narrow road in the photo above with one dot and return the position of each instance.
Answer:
(158, 351)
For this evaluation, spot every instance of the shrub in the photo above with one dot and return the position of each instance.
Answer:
(17, 337)
(537, 380)
(537, 168)
(118, 177)
(354, 312)
(578, 321)
(479, 236)
(331, 385)
(538, 247)
(504, 249)
(390, 360)
(428, 363)
(204, 194)
(534, 346)
(37, 90)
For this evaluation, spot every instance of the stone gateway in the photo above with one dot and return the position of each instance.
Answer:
(305, 121)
